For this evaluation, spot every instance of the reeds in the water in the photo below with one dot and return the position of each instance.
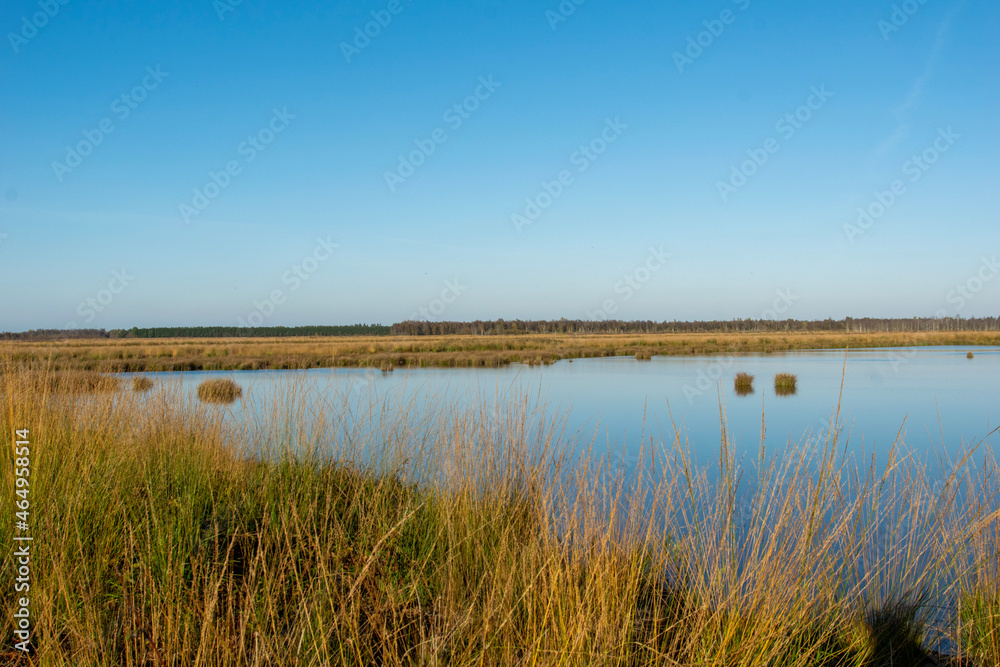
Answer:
(743, 384)
(785, 384)
(326, 530)
(219, 390)
(142, 383)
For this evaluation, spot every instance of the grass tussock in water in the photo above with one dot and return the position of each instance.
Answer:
(743, 383)
(324, 533)
(219, 390)
(142, 384)
(785, 384)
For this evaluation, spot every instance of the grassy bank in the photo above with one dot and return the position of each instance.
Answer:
(138, 355)
(400, 535)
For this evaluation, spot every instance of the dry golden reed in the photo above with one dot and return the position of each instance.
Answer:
(325, 531)
(219, 390)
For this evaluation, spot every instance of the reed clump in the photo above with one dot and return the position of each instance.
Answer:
(219, 390)
(743, 383)
(785, 384)
(317, 532)
(141, 384)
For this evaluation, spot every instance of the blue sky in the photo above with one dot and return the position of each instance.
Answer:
(632, 127)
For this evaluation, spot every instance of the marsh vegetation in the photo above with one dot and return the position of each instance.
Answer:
(785, 384)
(743, 384)
(154, 355)
(141, 383)
(169, 535)
(219, 390)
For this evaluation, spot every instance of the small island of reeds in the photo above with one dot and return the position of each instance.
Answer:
(141, 384)
(743, 384)
(785, 384)
(219, 390)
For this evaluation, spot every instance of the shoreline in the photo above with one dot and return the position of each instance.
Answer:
(229, 354)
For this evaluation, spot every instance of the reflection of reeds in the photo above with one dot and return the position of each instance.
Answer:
(644, 355)
(785, 384)
(142, 384)
(394, 533)
(743, 384)
(219, 390)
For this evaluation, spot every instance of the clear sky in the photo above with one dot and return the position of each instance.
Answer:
(195, 162)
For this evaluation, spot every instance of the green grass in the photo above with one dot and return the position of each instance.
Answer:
(395, 535)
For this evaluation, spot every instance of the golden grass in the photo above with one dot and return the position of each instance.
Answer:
(219, 390)
(141, 384)
(743, 383)
(168, 534)
(150, 355)
(785, 384)
(82, 382)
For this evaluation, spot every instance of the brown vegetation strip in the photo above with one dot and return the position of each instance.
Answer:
(144, 355)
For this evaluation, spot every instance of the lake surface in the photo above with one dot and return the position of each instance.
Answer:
(940, 399)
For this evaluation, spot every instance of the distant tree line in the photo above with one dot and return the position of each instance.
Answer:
(253, 332)
(847, 325)
(54, 334)
(498, 327)
(199, 332)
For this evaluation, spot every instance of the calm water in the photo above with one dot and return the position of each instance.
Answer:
(941, 399)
